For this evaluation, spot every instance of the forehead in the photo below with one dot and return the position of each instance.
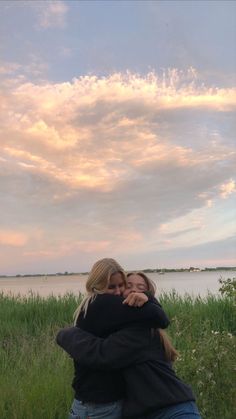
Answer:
(116, 278)
(136, 279)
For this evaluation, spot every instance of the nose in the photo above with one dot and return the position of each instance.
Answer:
(117, 291)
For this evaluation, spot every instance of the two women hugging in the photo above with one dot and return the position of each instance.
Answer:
(122, 356)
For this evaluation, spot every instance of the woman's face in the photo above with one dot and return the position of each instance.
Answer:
(135, 283)
(116, 285)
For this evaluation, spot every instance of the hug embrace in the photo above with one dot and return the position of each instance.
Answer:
(122, 356)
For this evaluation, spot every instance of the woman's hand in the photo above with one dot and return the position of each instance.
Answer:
(136, 299)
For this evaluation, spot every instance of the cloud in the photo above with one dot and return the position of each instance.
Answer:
(122, 163)
(13, 73)
(211, 253)
(9, 68)
(51, 14)
(98, 133)
(12, 238)
(227, 189)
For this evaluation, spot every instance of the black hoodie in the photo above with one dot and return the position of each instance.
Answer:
(106, 315)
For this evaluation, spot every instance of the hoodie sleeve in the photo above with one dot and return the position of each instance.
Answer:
(119, 350)
(107, 314)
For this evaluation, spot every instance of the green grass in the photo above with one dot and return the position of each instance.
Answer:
(36, 375)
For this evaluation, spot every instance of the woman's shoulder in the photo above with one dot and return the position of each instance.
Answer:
(102, 304)
(103, 313)
(106, 302)
(108, 299)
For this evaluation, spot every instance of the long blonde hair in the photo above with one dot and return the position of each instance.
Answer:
(97, 282)
(170, 352)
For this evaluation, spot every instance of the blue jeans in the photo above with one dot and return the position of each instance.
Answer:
(81, 410)
(187, 410)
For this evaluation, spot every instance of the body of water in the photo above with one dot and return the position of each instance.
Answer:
(193, 283)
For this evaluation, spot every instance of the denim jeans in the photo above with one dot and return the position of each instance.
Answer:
(187, 410)
(81, 410)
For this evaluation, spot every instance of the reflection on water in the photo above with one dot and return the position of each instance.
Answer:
(194, 283)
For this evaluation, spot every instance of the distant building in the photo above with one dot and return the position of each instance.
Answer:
(191, 269)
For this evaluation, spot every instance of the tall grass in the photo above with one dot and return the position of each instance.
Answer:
(35, 374)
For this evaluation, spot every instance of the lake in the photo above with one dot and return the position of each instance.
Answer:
(193, 283)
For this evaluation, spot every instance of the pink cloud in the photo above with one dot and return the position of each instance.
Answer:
(13, 238)
(227, 189)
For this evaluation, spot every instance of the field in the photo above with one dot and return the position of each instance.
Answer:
(35, 374)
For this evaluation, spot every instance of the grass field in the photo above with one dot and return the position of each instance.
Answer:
(35, 374)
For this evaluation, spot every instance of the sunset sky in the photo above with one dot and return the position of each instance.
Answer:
(117, 124)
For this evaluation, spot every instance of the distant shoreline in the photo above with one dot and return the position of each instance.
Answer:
(196, 283)
(160, 271)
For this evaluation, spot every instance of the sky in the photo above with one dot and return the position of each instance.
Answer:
(117, 134)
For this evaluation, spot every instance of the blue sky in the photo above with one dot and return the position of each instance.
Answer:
(101, 37)
(118, 134)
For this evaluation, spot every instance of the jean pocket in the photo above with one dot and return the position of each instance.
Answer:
(73, 415)
(77, 411)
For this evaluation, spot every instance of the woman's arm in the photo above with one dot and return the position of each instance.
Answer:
(107, 314)
(119, 350)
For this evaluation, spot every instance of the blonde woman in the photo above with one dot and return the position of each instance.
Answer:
(99, 393)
